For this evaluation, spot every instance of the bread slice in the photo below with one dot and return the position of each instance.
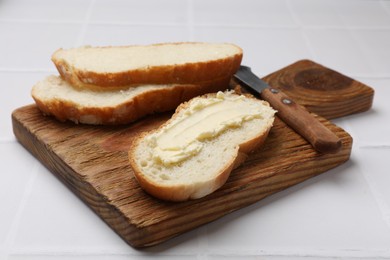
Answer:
(170, 166)
(54, 96)
(166, 63)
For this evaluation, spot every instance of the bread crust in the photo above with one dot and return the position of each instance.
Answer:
(188, 192)
(189, 73)
(149, 102)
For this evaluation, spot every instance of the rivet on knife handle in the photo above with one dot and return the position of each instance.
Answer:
(304, 123)
(294, 115)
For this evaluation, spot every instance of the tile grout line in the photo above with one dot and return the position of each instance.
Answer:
(7, 140)
(301, 29)
(375, 146)
(84, 26)
(14, 228)
(215, 25)
(203, 243)
(190, 11)
(362, 49)
(383, 207)
(304, 253)
(38, 70)
(381, 203)
(387, 9)
(13, 231)
(190, 19)
(31, 70)
(368, 76)
(39, 21)
(90, 251)
(351, 33)
(350, 30)
(283, 252)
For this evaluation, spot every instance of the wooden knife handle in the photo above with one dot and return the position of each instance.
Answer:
(304, 123)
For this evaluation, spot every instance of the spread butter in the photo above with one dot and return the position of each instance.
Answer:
(204, 119)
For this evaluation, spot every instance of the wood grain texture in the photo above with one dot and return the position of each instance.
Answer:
(92, 161)
(299, 119)
(321, 90)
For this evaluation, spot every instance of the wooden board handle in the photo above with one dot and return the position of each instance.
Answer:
(304, 123)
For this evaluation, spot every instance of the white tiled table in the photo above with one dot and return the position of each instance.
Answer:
(344, 213)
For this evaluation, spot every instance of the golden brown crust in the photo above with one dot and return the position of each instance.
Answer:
(187, 192)
(149, 102)
(190, 73)
(178, 192)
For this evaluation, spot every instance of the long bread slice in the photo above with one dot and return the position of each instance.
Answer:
(165, 63)
(54, 96)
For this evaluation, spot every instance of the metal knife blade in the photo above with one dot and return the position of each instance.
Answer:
(253, 83)
(294, 115)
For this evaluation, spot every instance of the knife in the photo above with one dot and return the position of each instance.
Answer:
(294, 115)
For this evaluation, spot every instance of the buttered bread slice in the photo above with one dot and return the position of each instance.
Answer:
(54, 96)
(193, 153)
(165, 63)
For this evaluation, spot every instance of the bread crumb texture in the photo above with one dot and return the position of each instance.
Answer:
(165, 63)
(118, 59)
(55, 88)
(200, 143)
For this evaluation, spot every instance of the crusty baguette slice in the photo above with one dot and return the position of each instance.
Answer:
(54, 96)
(201, 171)
(165, 63)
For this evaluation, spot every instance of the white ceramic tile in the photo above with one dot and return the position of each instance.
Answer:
(337, 49)
(324, 216)
(56, 221)
(375, 45)
(372, 128)
(315, 13)
(278, 257)
(374, 162)
(134, 11)
(17, 171)
(363, 13)
(30, 45)
(14, 93)
(43, 10)
(236, 257)
(189, 243)
(245, 12)
(98, 257)
(265, 50)
(343, 214)
(386, 5)
(100, 35)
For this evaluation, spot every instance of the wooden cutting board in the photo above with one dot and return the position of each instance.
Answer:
(92, 161)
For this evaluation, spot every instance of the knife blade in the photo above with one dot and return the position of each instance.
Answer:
(294, 115)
